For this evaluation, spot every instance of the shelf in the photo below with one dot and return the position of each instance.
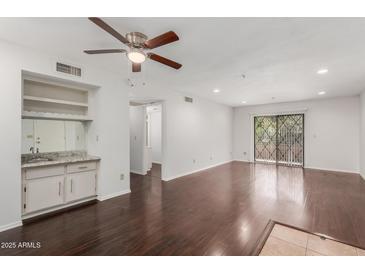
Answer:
(54, 101)
(47, 100)
(55, 116)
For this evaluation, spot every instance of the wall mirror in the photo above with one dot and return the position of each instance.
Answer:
(52, 135)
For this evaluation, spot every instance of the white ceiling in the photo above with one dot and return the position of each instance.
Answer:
(278, 56)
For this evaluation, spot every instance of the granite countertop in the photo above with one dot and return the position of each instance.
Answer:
(57, 158)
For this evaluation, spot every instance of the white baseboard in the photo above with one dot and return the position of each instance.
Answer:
(138, 172)
(10, 226)
(316, 168)
(332, 169)
(241, 160)
(113, 195)
(362, 176)
(195, 171)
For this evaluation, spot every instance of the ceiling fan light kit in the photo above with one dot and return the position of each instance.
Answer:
(137, 43)
(136, 56)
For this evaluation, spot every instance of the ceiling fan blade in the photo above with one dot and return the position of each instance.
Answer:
(136, 67)
(99, 51)
(164, 61)
(161, 40)
(108, 29)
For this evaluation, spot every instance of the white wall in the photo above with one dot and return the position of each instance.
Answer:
(10, 142)
(155, 135)
(331, 138)
(110, 125)
(362, 135)
(194, 135)
(137, 138)
(199, 135)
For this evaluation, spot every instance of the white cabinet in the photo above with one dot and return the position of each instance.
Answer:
(43, 193)
(41, 172)
(53, 187)
(81, 167)
(80, 185)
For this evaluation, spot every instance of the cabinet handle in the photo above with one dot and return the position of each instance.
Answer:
(59, 188)
(72, 182)
(82, 167)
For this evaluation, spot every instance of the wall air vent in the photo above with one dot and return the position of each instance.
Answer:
(188, 99)
(68, 69)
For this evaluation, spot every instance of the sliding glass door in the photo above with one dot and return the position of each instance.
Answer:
(290, 139)
(279, 139)
(265, 138)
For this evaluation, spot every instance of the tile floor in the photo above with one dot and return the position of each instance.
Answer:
(285, 241)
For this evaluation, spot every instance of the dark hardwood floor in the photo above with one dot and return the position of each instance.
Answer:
(220, 211)
(155, 171)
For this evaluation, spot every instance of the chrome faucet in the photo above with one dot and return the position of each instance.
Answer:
(32, 150)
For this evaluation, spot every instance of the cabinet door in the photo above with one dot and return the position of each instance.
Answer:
(43, 193)
(80, 185)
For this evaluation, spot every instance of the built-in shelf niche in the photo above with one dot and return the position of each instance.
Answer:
(53, 101)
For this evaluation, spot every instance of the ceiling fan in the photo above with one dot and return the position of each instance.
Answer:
(137, 44)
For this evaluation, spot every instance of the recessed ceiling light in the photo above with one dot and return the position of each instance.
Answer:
(216, 90)
(322, 71)
(244, 102)
(321, 93)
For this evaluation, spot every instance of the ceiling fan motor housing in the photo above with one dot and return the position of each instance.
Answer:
(136, 39)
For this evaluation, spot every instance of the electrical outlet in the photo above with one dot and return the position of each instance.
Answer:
(122, 177)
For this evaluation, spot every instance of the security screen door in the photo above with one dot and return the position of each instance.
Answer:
(280, 139)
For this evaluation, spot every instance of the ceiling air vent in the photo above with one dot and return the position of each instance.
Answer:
(188, 99)
(68, 69)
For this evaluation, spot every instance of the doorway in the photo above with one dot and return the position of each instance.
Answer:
(146, 151)
(154, 140)
(279, 139)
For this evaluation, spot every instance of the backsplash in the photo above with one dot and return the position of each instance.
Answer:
(54, 155)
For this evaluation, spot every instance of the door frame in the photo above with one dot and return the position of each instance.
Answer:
(162, 103)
